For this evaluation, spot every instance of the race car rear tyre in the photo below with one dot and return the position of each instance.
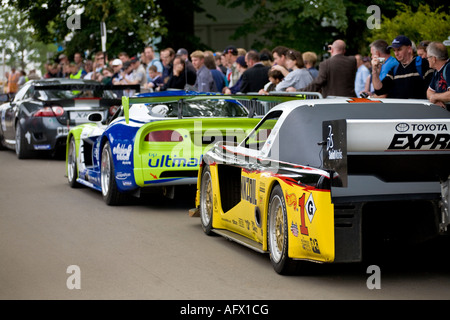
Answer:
(111, 194)
(206, 201)
(277, 234)
(21, 151)
(72, 169)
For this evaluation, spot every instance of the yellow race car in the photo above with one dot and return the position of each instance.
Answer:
(315, 178)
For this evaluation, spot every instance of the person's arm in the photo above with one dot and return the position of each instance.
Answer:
(282, 69)
(438, 98)
(376, 68)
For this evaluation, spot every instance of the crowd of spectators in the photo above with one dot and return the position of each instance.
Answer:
(410, 72)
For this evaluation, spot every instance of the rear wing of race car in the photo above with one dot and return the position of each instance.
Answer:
(181, 96)
(393, 150)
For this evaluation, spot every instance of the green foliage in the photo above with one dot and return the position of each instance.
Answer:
(422, 24)
(130, 25)
(308, 24)
(15, 38)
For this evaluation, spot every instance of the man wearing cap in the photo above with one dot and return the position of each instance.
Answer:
(439, 90)
(241, 66)
(139, 73)
(116, 65)
(183, 53)
(231, 54)
(205, 81)
(409, 79)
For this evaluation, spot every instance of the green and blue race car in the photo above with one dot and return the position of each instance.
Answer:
(154, 140)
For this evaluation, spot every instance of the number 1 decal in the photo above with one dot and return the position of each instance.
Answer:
(303, 227)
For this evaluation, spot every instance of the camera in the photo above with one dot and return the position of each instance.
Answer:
(381, 60)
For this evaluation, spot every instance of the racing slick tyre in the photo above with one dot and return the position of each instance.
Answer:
(206, 201)
(277, 234)
(21, 151)
(111, 194)
(72, 169)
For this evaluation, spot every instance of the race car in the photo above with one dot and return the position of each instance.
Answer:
(154, 140)
(43, 111)
(317, 180)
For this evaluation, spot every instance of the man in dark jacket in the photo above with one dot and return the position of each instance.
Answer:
(336, 74)
(256, 76)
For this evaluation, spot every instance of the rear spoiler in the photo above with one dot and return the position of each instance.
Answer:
(182, 96)
(404, 150)
(90, 86)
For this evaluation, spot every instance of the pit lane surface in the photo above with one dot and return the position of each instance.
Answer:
(152, 249)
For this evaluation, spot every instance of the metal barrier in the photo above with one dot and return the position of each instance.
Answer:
(262, 107)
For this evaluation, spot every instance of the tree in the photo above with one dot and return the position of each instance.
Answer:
(15, 38)
(422, 24)
(130, 25)
(309, 24)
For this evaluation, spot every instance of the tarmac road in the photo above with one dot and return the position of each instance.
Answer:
(54, 238)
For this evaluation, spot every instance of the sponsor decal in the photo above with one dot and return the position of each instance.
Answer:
(291, 200)
(333, 154)
(122, 152)
(310, 245)
(42, 147)
(314, 245)
(248, 190)
(166, 161)
(122, 175)
(62, 131)
(404, 141)
(404, 127)
(417, 136)
(308, 208)
(294, 229)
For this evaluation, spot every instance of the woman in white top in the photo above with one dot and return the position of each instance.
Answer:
(299, 77)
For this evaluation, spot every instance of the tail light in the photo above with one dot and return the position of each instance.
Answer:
(54, 111)
(164, 136)
(113, 110)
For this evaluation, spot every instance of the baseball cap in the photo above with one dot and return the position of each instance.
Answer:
(116, 62)
(400, 41)
(231, 49)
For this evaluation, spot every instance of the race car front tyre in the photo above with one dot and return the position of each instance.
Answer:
(206, 201)
(111, 194)
(72, 170)
(277, 237)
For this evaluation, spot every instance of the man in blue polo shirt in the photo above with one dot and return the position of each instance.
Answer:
(439, 90)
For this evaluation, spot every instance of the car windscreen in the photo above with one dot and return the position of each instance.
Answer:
(202, 108)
